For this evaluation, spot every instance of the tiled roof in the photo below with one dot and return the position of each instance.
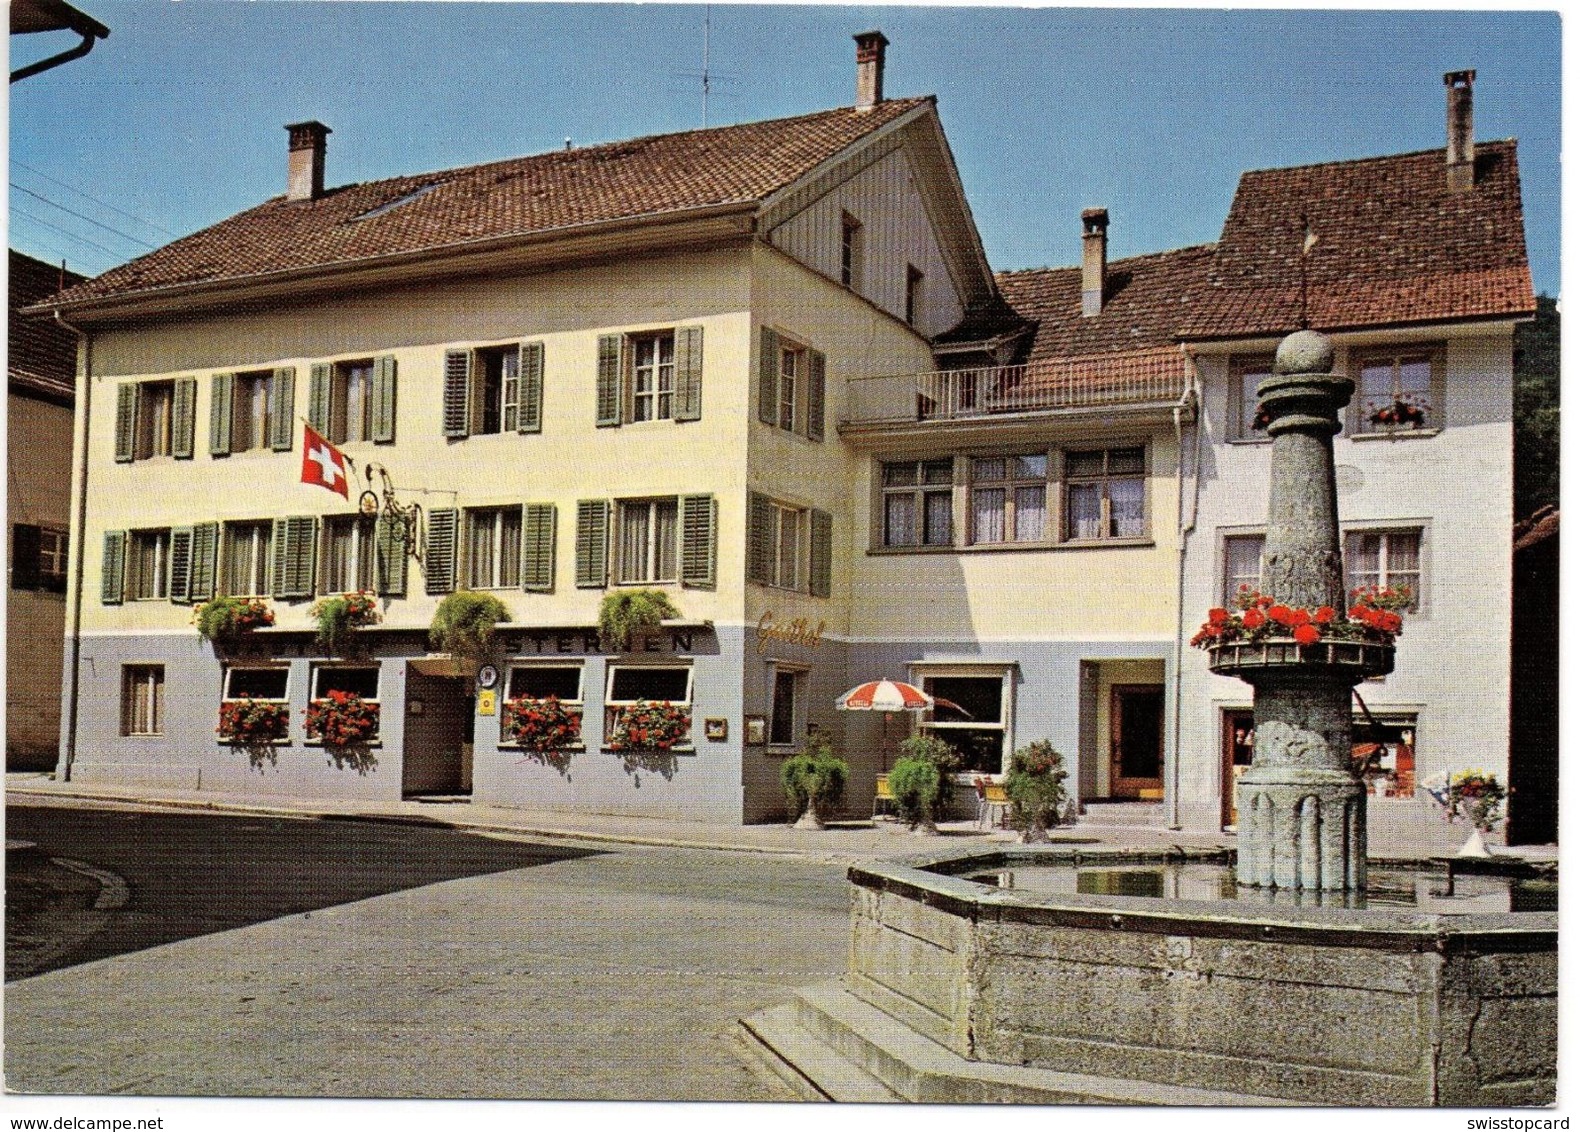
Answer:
(1393, 244)
(561, 189)
(40, 354)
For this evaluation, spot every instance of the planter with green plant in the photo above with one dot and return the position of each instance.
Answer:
(626, 616)
(1035, 785)
(463, 626)
(922, 780)
(223, 619)
(814, 783)
(339, 616)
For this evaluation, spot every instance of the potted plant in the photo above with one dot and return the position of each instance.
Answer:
(626, 615)
(921, 780)
(249, 722)
(463, 626)
(225, 618)
(1035, 785)
(541, 726)
(340, 615)
(650, 726)
(1405, 411)
(342, 719)
(1475, 795)
(814, 782)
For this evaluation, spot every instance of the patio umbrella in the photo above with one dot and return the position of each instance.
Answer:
(890, 696)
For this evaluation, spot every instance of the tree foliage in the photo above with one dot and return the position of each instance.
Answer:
(1536, 394)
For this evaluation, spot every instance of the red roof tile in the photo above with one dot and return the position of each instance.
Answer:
(562, 189)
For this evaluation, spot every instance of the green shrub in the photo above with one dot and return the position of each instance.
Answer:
(224, 618)
(814, 780)
(463, 625)
(916, 784)
(339, 615)
(1035, 785)
(627, 614)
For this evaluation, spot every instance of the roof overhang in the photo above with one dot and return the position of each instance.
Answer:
(1470, 326)
(29, 17)
(1095, 422)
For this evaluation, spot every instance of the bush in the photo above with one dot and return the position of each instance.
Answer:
(463, 625)
(225, 618)
(627, 614)
(1035, 785)
(916, 784)
(338, 616)
(814, 781)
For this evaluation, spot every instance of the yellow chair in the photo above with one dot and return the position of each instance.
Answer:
(884, 797)
(993, 807)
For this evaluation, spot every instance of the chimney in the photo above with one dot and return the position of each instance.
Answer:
(1461, 130)
(304, 161)
(1094, 260)
(869, 69)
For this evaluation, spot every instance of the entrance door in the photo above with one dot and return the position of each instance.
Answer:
(437, 755)
(1135, 722)
(1239, 746)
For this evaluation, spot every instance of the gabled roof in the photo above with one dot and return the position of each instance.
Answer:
(559, 191)
(1394, 245)
(41, 355)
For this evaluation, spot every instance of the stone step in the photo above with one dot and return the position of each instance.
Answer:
(812, 1070)
(828, 1020)
(1132, 815)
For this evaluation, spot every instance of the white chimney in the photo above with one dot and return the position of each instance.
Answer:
(869, 69)
(1461, 130)
(304, 161)
(1094, 260)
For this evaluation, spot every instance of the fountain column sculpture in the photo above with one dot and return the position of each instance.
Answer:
(1302, 807)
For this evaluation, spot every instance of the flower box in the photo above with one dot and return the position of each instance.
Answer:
(1241, 658)
(342, 719)
(247, 721)
(649, 726)
(540, 725)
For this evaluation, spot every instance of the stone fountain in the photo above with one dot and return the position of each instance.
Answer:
(1280, 977)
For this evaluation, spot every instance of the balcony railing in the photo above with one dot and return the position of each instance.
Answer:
(1039, 386)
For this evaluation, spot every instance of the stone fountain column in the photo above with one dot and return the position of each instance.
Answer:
(1302, 807)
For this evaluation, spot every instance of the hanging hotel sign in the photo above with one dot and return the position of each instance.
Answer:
(798, 631)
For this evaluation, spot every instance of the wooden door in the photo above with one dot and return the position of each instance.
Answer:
(1239, 745)
(1135, 725)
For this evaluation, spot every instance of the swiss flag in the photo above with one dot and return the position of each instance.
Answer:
(323, 464)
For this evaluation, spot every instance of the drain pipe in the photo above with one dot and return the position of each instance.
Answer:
(1184, 526)
(68, 752)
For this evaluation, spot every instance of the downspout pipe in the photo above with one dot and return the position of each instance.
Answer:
(77, 52)
(1185, 524)
(73, 674)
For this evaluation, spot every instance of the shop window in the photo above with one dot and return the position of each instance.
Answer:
(1386, 559)
(360, 680)
(1105, 494)
(143, 699)
(976, 724)
(1384, 753)
(918, 503)
(630, 684)
(268, 682)
(1009, 499)
(785, 718)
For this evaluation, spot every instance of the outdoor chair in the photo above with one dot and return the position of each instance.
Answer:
(883, 800)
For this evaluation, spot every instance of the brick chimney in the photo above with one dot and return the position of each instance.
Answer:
(1461, 130)
(869, 69)
(304, 161)
(1094, 260)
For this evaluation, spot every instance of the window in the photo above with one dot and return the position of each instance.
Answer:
(493, 548)
(348, 554)
(630, 684)
(1383, 747)
(143, 699)
(1242, 565)
(913, 293)
(918, 503)
(155, 418)
(244, 561)
(257, 683)
(491, 389)
(250, 420)
(494, 391)
(646, 540)
(785, 532)
(1105, 494)
(360, 680)
(1009, 498)
(791, 362)
(1399, 391)
(1389, 559)
(351, 401)
(148, 565)
(652, 377)
(38, 558)
(540, 681)
(976, 724)
(788, 705)
(1245, 374)
(850, 249)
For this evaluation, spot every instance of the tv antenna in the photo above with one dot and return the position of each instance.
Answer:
(707, 74)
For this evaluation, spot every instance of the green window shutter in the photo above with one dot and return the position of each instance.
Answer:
(282, 409)
(125, 423)
(390, 543)
(768, 378)
(183, 414)
(816, 394)
(537, 547)
(205, 551)
(760, 538)
(688, 373)
(26, 543)
(295, 555)
(822, 554)
(180, 587)
(698, 540)
(530, 418)
(111, 584)
(439, 561)
(592, 543)
(384, 399)
(221, 390)
(318, 383)
(457, 373)
(610, 367)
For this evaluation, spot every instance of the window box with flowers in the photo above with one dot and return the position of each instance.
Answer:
(342, 719)
(340, 615)
(651, 726)
(1262, 633)
(541, 726)
(223, 619)
(249, 723)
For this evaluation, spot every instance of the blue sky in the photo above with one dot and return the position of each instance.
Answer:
(175, 121)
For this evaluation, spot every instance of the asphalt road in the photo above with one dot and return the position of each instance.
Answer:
(276, 957)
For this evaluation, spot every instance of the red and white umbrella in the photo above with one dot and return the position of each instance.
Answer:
(885, 695)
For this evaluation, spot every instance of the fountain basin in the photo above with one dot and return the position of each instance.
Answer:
(1317, 1005)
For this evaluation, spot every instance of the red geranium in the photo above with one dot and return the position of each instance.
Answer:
(1307, 634)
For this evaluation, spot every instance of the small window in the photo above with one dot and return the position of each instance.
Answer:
(647, 540)
(1386, 559)
(38, 558)
(244, 561)
(918, 503)
(913, 293)
(1009, 499)
(1399, 391)
(631, 684)
(155, 418)
(850, 249)
(351, 401)
(148, 565)
(143, 699)
(494, 389)
(1242, 565)
(1245, 374)
(348, 554)
(791, 365)
(493, 548)
(787, 531)
(1105, 494)
(653, 377)
(257, 683)
(250, 421)
(359, 680)
(788, 707)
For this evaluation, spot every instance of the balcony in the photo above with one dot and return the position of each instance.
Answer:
(1089, 386)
